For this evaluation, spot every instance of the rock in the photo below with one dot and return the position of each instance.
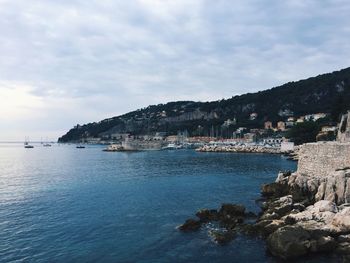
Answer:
(272, 227)
(298, 206)
(282, 177)
(206, 215)
(343, 248)
(342, 220)
(340, 185)
(250, 215)
(320, 192)
(330, 189)
(190, 225)
(323, 244)
(289, 242)
(222, 237)
(344, 238)
(231, 210)
(249, 229)
(274, 190)
(325, 206)
(270, 216)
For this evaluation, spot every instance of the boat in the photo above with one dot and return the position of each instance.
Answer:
(80, 147)
(170, 146)
(27, 145)
(47, 145)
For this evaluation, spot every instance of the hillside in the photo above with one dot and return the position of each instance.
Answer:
(327, 93)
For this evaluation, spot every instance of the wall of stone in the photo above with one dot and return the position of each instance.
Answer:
(319, 159)
(344, 128)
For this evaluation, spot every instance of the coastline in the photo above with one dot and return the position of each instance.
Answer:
(302, 213)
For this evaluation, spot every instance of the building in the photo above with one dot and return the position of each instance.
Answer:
(272, 140)
(250, 137)
(93, 140)
(253, 116)
(281, 126)
(301, 119)
(230, 122)
(268, 125)
(315, 117)
(119, 136)
(287, 146)
(289, 124)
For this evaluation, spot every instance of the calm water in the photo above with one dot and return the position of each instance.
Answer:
(62, 204)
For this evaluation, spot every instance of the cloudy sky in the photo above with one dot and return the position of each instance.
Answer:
(64, 62)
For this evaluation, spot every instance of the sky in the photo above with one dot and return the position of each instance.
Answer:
(64, 62)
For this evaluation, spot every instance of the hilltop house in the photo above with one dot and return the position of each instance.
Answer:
(268, 125)
(281, 126)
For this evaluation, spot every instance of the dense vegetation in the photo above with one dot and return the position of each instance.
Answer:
(328, 93)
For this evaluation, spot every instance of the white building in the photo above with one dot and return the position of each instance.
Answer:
(287, 146)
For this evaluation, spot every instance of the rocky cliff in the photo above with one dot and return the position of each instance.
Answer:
(304, 212)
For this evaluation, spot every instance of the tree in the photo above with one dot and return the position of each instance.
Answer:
(303, 132)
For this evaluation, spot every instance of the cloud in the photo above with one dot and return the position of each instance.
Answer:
(87, 60)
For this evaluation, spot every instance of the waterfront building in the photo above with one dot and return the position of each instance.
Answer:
(272, 140)
(287, 146)
(268, 125)
(253, 116)
(315, 117)
(250, 137)
(301, 119)
(281, 125)
(289, 124)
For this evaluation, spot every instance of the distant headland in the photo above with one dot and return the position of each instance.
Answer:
(313, 104)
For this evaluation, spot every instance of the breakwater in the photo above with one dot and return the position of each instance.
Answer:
(240, 149)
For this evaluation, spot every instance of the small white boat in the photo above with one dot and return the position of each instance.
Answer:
(170, 146)
(27, 145)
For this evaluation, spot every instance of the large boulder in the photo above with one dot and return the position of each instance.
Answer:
(206, 215)
(232, 210)
(221, 237)
(289, 242)
(342, 220)
(323, 244)
(274, 190)
(324, 206)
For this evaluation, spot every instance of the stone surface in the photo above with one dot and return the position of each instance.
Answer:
(342, 220)
(289, 242)
(322, 158)
(222, 237)
(206, 215)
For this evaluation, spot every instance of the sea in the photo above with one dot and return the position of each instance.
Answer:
(63, 204)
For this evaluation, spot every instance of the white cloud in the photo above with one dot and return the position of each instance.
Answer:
(78, 61)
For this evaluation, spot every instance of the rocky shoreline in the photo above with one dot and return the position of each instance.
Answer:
(300, 215)
(240, 149)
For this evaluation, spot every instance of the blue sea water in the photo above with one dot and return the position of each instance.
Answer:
(62, 204)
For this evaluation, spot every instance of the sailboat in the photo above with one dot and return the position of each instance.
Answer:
(46, 144)
(27, 145)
